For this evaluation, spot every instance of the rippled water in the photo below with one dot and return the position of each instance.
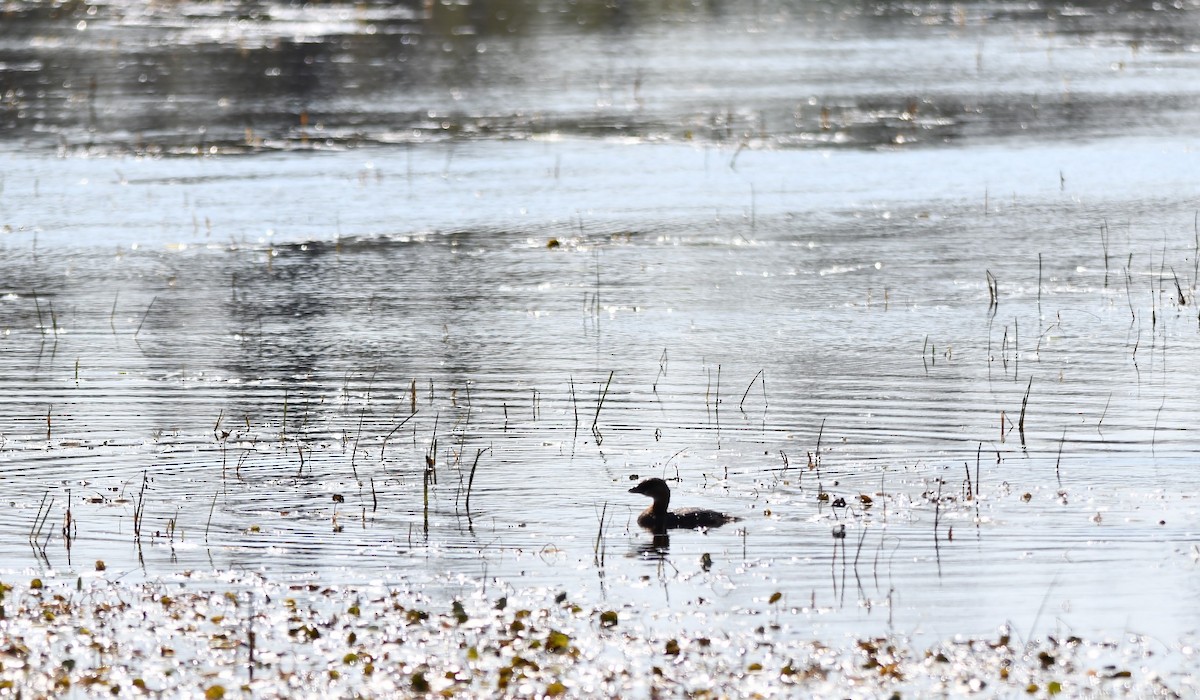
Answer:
(751, 251)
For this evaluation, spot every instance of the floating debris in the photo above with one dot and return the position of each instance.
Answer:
(210, 637)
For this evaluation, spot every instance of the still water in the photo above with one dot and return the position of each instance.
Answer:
(406, 292)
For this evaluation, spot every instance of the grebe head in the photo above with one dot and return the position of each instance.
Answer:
(654, 488)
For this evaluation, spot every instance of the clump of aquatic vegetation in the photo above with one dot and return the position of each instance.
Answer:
(246, 636)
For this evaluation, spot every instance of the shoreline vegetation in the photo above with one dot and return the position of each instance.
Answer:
(220, 636)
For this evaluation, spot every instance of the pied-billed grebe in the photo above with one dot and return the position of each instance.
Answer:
(658, 519)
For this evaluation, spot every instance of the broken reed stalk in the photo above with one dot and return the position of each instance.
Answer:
(39, 520)
(431, 452)
(69, 527)
(361, 417)
(471, 478)
(1154, 432)
(221, 439)
(993, 290)
(1129, 292)
(1057, 462)
(937, 510)
(139, 509)
(575, 405)
(717, 402)
(1016, 348)
(600, 405)
(145, 316)
(1196, 250)
(816, 461)
(751, 384)
(598, 550)
(49, 408)
(1178, 288)
(283, 423)
(1104, 246)
(1105, 411)
(1024, 404)
(430, 473)
(707, 391)
(662, 370)
(978, 454)
(211, 508)
(862, 538)
(425, 494)
(393, 430)
(37, 305)
(466, 423)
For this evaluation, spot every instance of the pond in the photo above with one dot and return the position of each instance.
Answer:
(414, 294)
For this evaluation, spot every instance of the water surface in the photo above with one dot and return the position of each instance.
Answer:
(274, 305)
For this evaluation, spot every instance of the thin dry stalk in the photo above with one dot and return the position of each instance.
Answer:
(1057, 462)
(600, 405)
(1104, 412)
(1178, 288)
(139, 510)
(393, 430)
(113, 314)
(471, 478)
(717, 403)
(815, 462)
(1196, 250)
(599, 549)
(67, 526)
(1024, 404)
(211, 508)
(37, 305)
(1104, 246)
(662, 370)
(425, 495)
(978, 455)
(575, 405)
(144, 316)
(39, 521)
(937, 510)
(751, 384)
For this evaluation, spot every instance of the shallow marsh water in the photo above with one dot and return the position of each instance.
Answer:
(779, 252)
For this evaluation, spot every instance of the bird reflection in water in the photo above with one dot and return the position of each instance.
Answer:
(657, 549)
